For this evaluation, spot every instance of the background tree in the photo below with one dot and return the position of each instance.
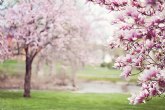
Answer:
(73, 55)
(73, 52)
(141, 33)
(4, 53)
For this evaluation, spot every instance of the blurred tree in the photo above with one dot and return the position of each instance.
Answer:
(74, 51)
(36, 24)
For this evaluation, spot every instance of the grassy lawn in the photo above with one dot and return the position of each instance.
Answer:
(49, 100)
(97, 73)
(12, 68)
(93, 73)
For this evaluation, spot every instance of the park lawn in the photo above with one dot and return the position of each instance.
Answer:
(50, 100)
(92, 73)
(97, 73)
(12, 68)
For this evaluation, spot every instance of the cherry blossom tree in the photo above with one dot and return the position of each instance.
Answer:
(72, 56)
(141, 34)
(72, 53)
(34, 25)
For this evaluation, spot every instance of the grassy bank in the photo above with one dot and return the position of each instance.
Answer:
(92, 73)
(97, 73)
(49, 100)
(12, 68)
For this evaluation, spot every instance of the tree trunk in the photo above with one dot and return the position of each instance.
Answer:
(27, 81)
(73, 78)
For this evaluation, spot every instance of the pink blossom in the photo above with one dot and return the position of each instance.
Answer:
(153, 91)
(151, 2)
(161, 82)
(149, 89)
(137, 62)
(128, 58)
(128, 37)
(153, 88)
(136, 99)
(149, 44)
(144, 86)
(148, 74)
(121, 17)
(126, 71)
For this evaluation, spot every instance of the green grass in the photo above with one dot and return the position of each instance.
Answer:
(49, 100)
(97, 70)
(92, 73)
(12, 67)
(103, 74)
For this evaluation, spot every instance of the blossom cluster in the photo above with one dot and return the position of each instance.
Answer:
(153, 84)
(141, 34)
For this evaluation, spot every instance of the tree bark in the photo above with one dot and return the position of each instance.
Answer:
(73, 78)
(27, 81)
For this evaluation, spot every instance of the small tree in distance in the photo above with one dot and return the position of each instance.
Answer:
(141, 25)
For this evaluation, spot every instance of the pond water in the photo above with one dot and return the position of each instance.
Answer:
(107, 87)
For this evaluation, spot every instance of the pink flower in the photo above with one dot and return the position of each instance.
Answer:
(128, 37)
(161, 82)
(137, 61)
(119, 59)
(121, 17)
(151, 34)
(137, 99)
(128, 58)
(144, 86)
(151, 2)
(126, 27)
(126, 71)
(149, 74)
(141, 97)
(153, 88)
(98, 1)
(149, 44)
(153, 91)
